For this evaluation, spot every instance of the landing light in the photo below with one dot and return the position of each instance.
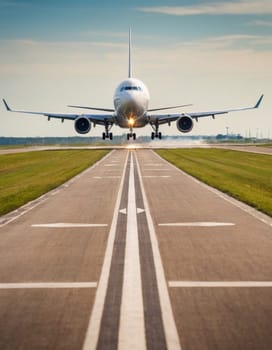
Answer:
(131, 122)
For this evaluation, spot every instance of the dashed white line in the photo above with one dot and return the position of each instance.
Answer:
(68, 225)
(225, 284)
(197, 224)
(48, 285)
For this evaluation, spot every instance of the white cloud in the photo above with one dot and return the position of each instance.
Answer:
(242, 7)
(261, 23)
(235, 42)
(10, 3)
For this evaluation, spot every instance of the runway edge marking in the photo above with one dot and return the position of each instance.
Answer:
(93, 329)
(24, 209)
(170, 329)
(244, 207)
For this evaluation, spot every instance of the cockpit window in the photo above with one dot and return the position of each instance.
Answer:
(137, 88)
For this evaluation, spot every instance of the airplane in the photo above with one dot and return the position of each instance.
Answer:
(131, 100)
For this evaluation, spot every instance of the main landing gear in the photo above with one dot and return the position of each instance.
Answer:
(107, 134)
(156, 133)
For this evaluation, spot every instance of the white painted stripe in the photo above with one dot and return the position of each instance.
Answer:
(132, 329)
(48, 285)
(198, 224)
(92, 333)
(227, 284)
(68, 225)
(171, 334)
(123, 211)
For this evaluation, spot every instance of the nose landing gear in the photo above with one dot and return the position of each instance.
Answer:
(131, 135)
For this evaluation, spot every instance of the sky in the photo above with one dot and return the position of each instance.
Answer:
(213, 54)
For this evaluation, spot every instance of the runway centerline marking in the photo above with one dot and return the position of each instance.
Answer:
(132, 330)
(68, 225)
(225, 284)
(93, 330)
(197, 224)
(48, 285)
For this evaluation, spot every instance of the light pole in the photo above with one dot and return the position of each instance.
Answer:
(227, 127)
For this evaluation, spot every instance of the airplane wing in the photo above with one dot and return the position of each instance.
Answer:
(95, 118)
(167, 118)
(94, 108)
(164, 108)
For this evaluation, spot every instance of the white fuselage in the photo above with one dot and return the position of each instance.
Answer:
(130, 101)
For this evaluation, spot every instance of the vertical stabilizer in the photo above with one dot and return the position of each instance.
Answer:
(129, 55)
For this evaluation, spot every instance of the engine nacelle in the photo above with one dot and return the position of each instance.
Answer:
(82, 125)
(185, 123)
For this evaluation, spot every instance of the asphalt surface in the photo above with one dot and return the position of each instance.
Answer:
(135, 254)
(251, 148)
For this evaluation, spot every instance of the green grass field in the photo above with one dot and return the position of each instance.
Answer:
(245, 176)
(26, 176)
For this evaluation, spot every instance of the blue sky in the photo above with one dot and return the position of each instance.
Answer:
(214, 54)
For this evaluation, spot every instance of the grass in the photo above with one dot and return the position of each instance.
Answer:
(26, 176)
(245, 176)
(265, 145)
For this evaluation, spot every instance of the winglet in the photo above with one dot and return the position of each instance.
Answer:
(259, 102)
(6, 105)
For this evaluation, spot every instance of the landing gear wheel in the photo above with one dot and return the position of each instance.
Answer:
(110, 135)
(134, 136)
(152, 135)
(160, 135)
(128, 136)
(104, 136)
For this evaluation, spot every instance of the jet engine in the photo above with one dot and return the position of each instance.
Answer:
(185, 123)
(82, 125)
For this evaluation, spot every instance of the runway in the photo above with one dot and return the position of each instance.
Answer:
(135, 254)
